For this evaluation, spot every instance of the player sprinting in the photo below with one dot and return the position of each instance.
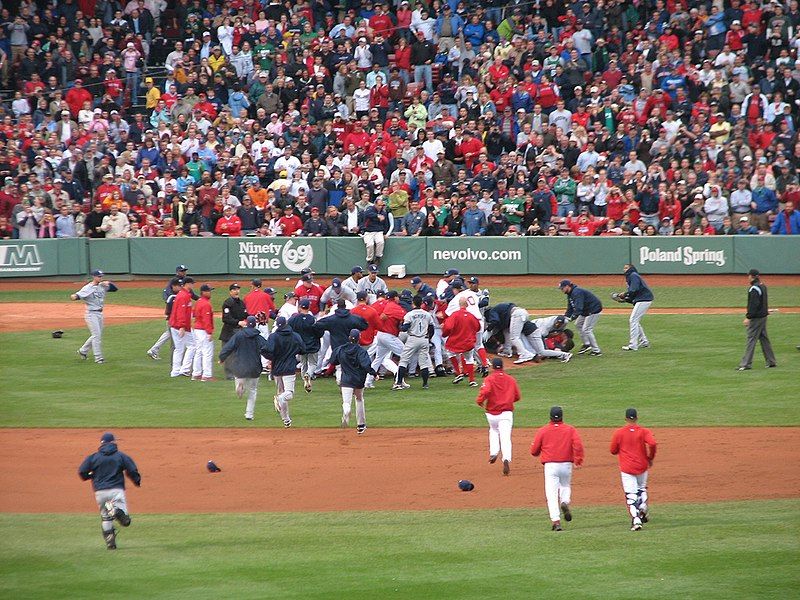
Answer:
(93, 295)
(303, 323)
(282, 348)
(497, 396)
(243, 353)
(635, 447)
(106, 469)
(354, 366)
(559, 447)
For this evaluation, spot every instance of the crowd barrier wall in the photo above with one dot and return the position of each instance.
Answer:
(267, 257)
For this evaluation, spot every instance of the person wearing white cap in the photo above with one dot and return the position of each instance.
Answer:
(93, 295)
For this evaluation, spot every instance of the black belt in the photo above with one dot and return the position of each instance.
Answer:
(419, 336)
(95, 309)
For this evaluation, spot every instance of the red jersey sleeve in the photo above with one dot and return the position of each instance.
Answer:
(577, 448)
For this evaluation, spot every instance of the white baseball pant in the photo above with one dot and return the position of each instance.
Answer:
(635, 487)
(285, 387)
(537, 344)
(585, 325)
(637, 335)
(308, 363)
(557, 487)
(518, 318)
(322, 354)
(500, 433)
(203, 363)
(94, 321)
(348, 394)
(183, 354)
(249, 386)
(264, 331)
(117, 498)
(386, 344)
(162, 339)
(374, 242)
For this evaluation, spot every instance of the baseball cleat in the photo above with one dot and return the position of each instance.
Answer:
(643, 516)
(307, 383)
(505, 354)
(110, 538)
(506, 467)
(524, 359)
(584, 349)
(772, 366)
(276, 403)
(345, 422)
(240, 389)
(208, 379)
(473, 383)
(567, 357)
(629, 349)
(361, 429)
(153, 355)
(743, 368)
(83, 355)
(458, 378)
(123, 518)
(557, 526)
(644, 345)
(99, 361)
(493, 459)
(596, 353)
(566, 512)
(636, 524)
(287, 423)
(484, 371)
(248, 418)
(196, 378)
(425, 387)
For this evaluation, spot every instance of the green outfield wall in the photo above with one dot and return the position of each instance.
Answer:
(474, 255)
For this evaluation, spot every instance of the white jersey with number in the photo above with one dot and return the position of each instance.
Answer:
(472, 304)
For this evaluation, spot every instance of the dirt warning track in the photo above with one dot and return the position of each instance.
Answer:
(385, 469)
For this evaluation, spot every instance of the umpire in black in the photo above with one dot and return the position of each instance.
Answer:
(234, 315)
(756, 323)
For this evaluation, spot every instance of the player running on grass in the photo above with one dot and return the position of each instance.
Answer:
(635, 447)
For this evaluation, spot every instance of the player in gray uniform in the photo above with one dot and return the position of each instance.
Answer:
(168, 294)
(94, 296)
(335, 291)
(419, 325)
(372, 284)
(542, 328)
(351, 283)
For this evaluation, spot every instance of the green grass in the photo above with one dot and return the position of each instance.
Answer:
(686, 378)
(666, 297)
(728, 550)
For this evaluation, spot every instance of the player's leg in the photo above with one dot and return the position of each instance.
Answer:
(479, 348)
(361, 412)
(381, 352)
(565, 482)
(753, 333)
(494, 436)
(630, 485)
(188, 354)
(324, 346)
(402, 366)
(645, 306)
(379, 244)
(177, 355)
(518, 318)
(97, 336)
(766, 346)
(251, 387)
(347, 405)
(641, 485)
(208, 357)
(197, 361)
(588, 331)
(424, 361)
(537, 343)
(469, 368)
(579, 326)
(285, 396)
(633, 322)
(84, 349)
(504, 427)
(369, 242)
(162, 339)
(438, 350)
(551, 485)
(105, 503)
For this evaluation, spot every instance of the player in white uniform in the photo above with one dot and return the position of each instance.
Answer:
(536, 338)
(351, 283)
(94, 296)
(372, 284)
(418, 325)
(445, 281)
(289, 307)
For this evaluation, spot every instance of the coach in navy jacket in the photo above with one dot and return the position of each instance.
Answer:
(283, 346)
(637, 288)
(339, 325)
(580, 302)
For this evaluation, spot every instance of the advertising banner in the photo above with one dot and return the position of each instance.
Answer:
(29, 258)
(276, 256)
(478, 255)
(683, 254)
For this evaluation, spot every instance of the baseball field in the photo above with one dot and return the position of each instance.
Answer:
(318, 512)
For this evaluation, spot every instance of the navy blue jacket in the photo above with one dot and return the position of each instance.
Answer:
(242, 353)
(581, 302)
(106, 468)
(355, 364)
(283, 346)
(303, 325)
(371, 221)
(425, 289)
(637, 288)
(339, 325)
(499, 316)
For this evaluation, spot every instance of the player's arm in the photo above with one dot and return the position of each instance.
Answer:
(577, 448)
(484, 393)
(81, 293)
(85, 470)
(650, 445)
(614, 449)
(131, 470)
(536, 446)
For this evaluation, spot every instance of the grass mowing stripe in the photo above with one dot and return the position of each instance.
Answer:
(686, 378)
(724, 550)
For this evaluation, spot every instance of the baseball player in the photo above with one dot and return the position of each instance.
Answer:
(387, 341)
(180, 324)
(282, 349)
(541, 329)
(474, 306)
(459, 331)
(242, 354)
(289, 306)
(497, 396)
(498, 320)
(354, 366)
(421, 288)
(94, 296)
(559, 447)
(304, 324)
(106, 468)
(372, 284)
(234, 313)
(370, 316)
(203, 331)
(335, 291)
(168, 295)
(584, 308)
(635, 447)
(351, 283)
(641, 297)
(445, 281)
(259, 301)
(756, 323)
(310, 291)
(418, 324)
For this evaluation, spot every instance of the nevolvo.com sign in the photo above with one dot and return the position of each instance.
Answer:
(20, 259)
(682, 255)
(274, 256)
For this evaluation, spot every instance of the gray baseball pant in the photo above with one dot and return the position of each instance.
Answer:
(518, 318)
(117, 498)
(585, 325)
(416, 346)
(348, 394)
(637, 335)
(94, 321)
(757, 332)
(537, 344)
(250, 388)
(308, 362)
(285, 386)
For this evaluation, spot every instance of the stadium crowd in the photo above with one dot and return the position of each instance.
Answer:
(500, 118)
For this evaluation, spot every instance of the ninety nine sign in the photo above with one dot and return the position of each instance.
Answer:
(683, 255)
(20, 259)
(274, 256)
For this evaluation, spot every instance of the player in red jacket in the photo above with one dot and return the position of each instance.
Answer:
(498, 394)
(180, 325)
(258, 301)
(460, 330)
(559, 447)
(308, 290)
(635, 447)
(387, 341)
(203, 331)
(368, 313)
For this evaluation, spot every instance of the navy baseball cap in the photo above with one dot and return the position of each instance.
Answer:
(306, 271)
(107, 438)
(556, 413)
(176, 281)
(270, 291)
(457, 283)
(251, 321)
(416, 280)
(256, 282)
(497, 363)
(336, 283)
(380, 293)
(474, 280)
(564, 283)
(356, 269)
(392, 294)
(288, 295)
(355, 334)
(373, 268)
(361, 295)
(631, 413)
(450, 272)
(304, 303)
(406, 294)
(206, 288)
(280, 322)
(233, 286)
(97, 273)
(181, 268)
(191, 280)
